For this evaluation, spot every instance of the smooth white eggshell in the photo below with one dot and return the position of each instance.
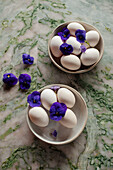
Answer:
(48, 97)
(92, 37)
(90, 56)
(73, 26)
(55, 44)
(69, 120)
(75, 44)
(71, 62)
(66, 96)
(39, 116)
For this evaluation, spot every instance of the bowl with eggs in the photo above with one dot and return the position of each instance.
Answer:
(75, 47)
(57, 114)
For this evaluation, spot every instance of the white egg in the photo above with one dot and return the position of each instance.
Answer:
(73, 26)
(90, 56)
(92, 37)
(75, 44)
(48, 97)
(71, 62)
(39, 116)
(55, 44)
(69, 120)
(66, 96)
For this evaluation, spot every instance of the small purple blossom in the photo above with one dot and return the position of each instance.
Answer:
(54, 133)
(83, 48)
(10, 79)
(55, 88)
(80, 35)
(27, 59)
(64, 34)
(57, 111)
(66, 49)
(34, 99)
(24, 81)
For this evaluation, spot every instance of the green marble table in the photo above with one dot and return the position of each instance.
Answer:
(25, 28)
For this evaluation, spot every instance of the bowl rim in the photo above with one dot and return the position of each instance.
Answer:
(69, 140)
(76, 71)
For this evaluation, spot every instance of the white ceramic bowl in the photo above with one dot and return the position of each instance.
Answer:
(65, 135)
(56, 60)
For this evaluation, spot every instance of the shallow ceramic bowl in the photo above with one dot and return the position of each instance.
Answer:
(83, 69)
(64, 135)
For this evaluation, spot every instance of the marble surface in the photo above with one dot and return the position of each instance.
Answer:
(25, 28)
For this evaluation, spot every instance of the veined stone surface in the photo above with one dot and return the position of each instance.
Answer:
(25, 28)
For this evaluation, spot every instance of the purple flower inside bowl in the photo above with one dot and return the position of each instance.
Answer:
(65, 34)
(80, 35)
(57, 111)
(66, 49)
(34, 99)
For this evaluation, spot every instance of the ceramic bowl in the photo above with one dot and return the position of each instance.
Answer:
(64, 135)
(83, 69)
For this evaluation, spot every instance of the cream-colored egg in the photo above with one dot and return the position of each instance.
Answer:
(75, 44)
(69, 120)
(48, 97)
(90, 56)
(92, 37)
(55, 44)
(71, 62)
(66, 96)
(39, 116)
(73, 26)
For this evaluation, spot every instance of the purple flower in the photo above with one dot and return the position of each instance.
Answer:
(66, 49)
(10, 79)
(83, 48)
(64, 34)
(54, 133)
(27, 59)
(80, 35)
(24, 81)
(57, 111)
(34, 99)
(55, 88)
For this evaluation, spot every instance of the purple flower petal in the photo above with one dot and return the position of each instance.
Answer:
(10, 79)
(83, 48)
(54, 133)
(34, 99)
(80, 35)
(55, 88)
(66, 49)
(57, 111)
(27, 59)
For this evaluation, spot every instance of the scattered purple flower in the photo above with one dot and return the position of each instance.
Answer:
(27, 59)
(64, 34)
(80, 35)
(54, 133)
(24, 81)
(57, 111)
(66, 49)
(83, 48)
(34, 99)
(10, 79)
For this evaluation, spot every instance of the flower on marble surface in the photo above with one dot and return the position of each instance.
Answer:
(83, 48)
(80, 35)
(66, 49)
(57, 111)
(34, 99)
(27, 59)
(54, 133)
(24, 81)
(64, 34)
(10, 79)
(55, 88)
